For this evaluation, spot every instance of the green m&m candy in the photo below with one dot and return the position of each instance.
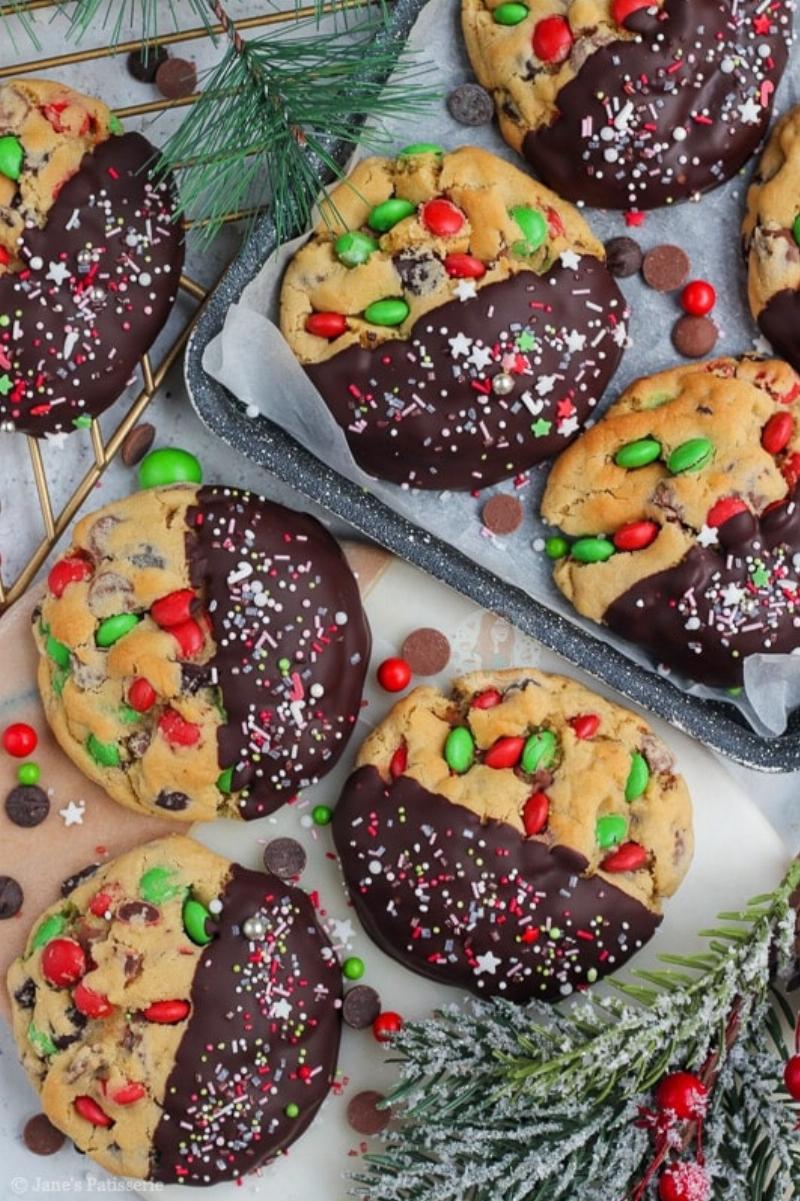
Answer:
(106, 754)
(353, 968)
(321, 815)
(638, 777)
(693, 455)
(638, 454)
(592, 550)
(157, 885)
(41, 1041)
(128, 715)
(530, 221)
(49, 929)
(420, 148)
(391, 311)
(57, 651)
(610, 830)
(796, 229)
(459, 750)
(556, 547)
(111, 629)
(115, 125)
(539, 751)
(354, 248)
(195, 915)
(169, 465)
(510, 14)
(225, 780)
(11, 156)
(384, 216)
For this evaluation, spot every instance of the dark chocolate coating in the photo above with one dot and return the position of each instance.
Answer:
(225, 1109)
(75, 331)
(409, 433)
(654, 612)
(654, 76)
(779, 322)
(291, 671)
(461, 919)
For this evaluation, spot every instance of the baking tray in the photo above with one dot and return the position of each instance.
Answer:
(714, 723)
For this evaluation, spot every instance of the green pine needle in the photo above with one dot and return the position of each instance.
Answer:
(114, 16)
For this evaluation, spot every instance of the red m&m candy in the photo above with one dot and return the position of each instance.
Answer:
(627, 858)
(698, 298)
(141, 695)
(176, 730)
(552, 39)
(636, 535)
(167, 1013)
(189, 636)
(777, 433)
(63, 962)
(535, 813)
(326, 325)
(464, 266)
(506, 752)
(91, 1111)
(725, 508)
(585, 725)
(622, 9)
(487, 699)
(127, 1093)
(398, 761)
(394, 675)
(90, 1003)
(441, 217)
(386, 1025)
(174, 608)
(68, 571)
(20, 739)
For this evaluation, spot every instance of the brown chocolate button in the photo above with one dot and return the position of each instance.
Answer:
(27, 805)
(41, 1136)
(470, 104)
(694, 337)
(665, 267)
(360, 1007)
(502, 514)
(623, 257)
(364, 1115)
(145, 61)
(136, 443)
(284, 857)
(426, 651)
(176, 78)
(10, 897)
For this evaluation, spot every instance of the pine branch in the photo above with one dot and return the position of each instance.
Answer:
(114, 16)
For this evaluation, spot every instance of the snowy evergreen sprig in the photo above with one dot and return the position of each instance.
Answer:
(498, 1102)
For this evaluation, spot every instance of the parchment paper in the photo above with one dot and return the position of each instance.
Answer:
(251, 358)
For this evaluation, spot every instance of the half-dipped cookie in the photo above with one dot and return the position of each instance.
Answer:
(203, 651)
(456, 317)
(681, 515)
(771, 236)
(514, 838)
(178, 1014)
(630, 104)
(90, 256)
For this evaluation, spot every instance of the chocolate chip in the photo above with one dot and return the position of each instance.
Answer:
(25, 996)
(139, 912)
(10, 897)
(145, 61)
(41, 1136)
(73, 881)
(176, 78)
(470, 104)
(665, 267)
(284, 857)
(136, 443)
(174, 801)
(27, 805)
(623, 257)
(426, 651)
(364, 1115)
(360, 1007)
(694, 337)
(421, 273)
(502, 514)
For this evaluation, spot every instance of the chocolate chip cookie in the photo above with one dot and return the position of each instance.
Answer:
(178, 1014)
(681, 511)
(771, 239)
(630, 104)
(203, 652)
(516, 837)
(456, 317)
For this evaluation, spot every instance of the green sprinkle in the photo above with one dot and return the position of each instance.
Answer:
(83, 422)
(115, 125)
(592, 550)
(41, 1042)
(111, 629)
(50, 928)
(321, 815)
(539, 751)
(29, 773)
(610, 830)
(555, 547)
(541, 428)
(157, 886)
(353, 968)
(385, 216)
(292, 1110)
(760, 576)
(283, 666)
(104, 753)
(225, 780)
(57, 651)
(5, 384)
(526, 341)
(195, 916)
(459, 750)
(420, 148)
(693, 455)
(638, 454)
(737, 691)
(638, 777)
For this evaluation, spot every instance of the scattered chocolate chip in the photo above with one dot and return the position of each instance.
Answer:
(195, 676)
(176, 78)
(145, 61)
(27, 805)
(138, 911)
(665, 267)
(25, 996)
(136, 443)
(426, 651)
(470, 104)
(694, 337)
(174, 801)
(284, 857)
(41, 1136)
(148, 558)
(623, 257)
(360, 1007)
(73, 881)
(10, 897)
(502, 514)
(364, 1115)
(421, 273)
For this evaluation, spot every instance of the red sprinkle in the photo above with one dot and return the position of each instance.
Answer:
(487, 699)
(506, 752)
(464, 266)
(777, 433)
(627, 858)
(441, 217)
(636, 535)
(552, 39)
(585, 725)
(326, 325)
(141, 695)
(92, 1112)
(535, 813)
(725, 508)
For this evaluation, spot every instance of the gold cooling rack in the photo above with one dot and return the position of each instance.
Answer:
(152, 373)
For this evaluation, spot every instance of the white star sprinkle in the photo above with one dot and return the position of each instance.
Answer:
(487, 963)
(732, 595)
(73, 813)
(460, 344)
(750, 112)
(707, 536)
(466, 289)
(574, 341)
(342, 930)
(545, 384)
(620, 334)
(568, 426)
(481, 357)
(58, 272)
(281, 1009)
(570, 260)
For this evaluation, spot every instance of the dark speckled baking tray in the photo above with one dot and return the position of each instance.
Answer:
(715, 724)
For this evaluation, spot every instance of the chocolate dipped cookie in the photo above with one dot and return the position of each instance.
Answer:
(771, 239)
(90, 256)
(203, 652)
(681, 515)
(178, 1014)
(514, 838)
(630, 104)
(456, 317)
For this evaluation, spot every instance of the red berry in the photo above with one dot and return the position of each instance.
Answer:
(683, 1182)
(141, 695)
(386, 1025)
(535, 813)
(505, 752)
(622, 9)
(63, 962)
(68, 571)
(167, 1013)
(399, 761)
(628, 857)
(441, 217)
(791, 1077)
(92, 1004)
(636, 535)
(682, 1094)
(189, 637)
(394, 675)
(92, 1112)
(174, 608)
(129, 1092)
(585, 725)
(464, 266)
(487, 699)
(552, 39)
(724, 509)
(698, 298)
(326, 325)
(20, 739)
(176, 730)
(777, 433)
